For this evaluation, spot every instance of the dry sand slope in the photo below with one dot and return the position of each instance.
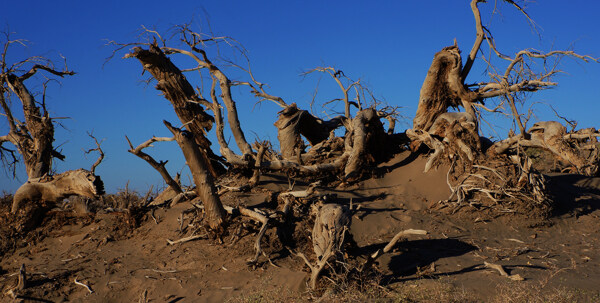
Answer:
(120, 263)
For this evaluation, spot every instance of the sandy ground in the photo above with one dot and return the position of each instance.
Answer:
(120, 262)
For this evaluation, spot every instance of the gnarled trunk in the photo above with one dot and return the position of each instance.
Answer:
(35, 140)
(331, 223)
(443, 88)
(367, 138)
(294, 122)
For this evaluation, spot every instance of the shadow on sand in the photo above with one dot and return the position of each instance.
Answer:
(574, 194)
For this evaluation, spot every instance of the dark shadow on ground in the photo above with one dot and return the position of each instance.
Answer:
(472, 268)
(365, 211)
(32, 299)
(283, 181)
(574, 194)
(419, 253)
(423, 252)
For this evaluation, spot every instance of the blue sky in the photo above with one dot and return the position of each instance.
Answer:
(387, 44)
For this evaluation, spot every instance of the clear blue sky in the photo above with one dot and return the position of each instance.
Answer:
(387, 44)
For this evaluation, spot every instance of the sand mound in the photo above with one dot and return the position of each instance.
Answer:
(122, 255)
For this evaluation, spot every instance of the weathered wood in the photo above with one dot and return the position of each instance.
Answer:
(159, 166)
(368, 141)
(294, 122)
(443, 88)
(22, 284)
(258, 160)
(231, 157)
(331, 223)
(224, 86)
(56, 188)
(204, 181)
(552, 136)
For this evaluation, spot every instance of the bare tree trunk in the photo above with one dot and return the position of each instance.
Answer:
(182, 96)
(226, 152)
(35, 146)
(442, 88)
(331, 223)
(366, 135)
(205, 184)
(232, 116)
(550, 135)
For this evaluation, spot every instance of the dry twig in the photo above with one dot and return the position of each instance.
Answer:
(83, 285)
(186, 239)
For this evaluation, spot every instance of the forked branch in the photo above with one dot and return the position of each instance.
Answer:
(159, 166)
(99, 150)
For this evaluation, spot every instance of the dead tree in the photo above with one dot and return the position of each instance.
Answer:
(33, 137)
(457, 133)
(294, 125)
(159, 166)
(331, 224)
(568, 147)
(97, 149)
(442, 89)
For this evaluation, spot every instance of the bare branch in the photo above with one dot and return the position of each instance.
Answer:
(37, 67)
(159, 166)
(257, 88)
(336, 75)
(478, 40)
(224, 85)
(226, 152)
(98, 149)
(7, 111)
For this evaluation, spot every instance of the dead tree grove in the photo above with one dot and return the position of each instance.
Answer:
(358, 149)
(334, 152)
(325, 153)
(310, 148)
